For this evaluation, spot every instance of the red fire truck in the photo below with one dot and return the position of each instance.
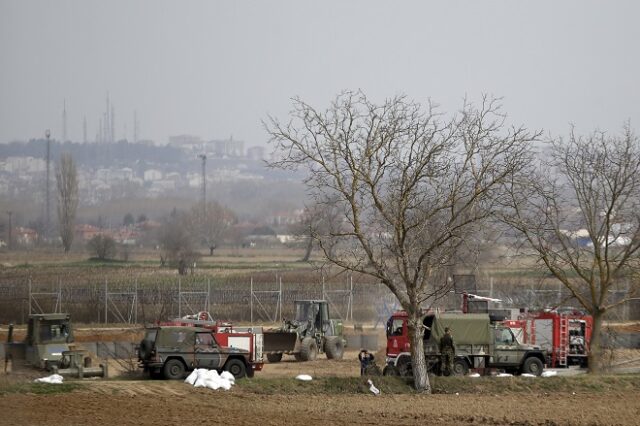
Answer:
(564, 334)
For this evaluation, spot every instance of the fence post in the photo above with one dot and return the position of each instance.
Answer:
(106, 300)
(251, 301)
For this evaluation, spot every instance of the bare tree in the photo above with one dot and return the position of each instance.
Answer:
(410, 187)
(102, 247)
(67, 183)
(210, 225)
(178, 242)
(317, 219)
(579, 214)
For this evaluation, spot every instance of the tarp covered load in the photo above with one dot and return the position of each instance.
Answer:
(466, 329)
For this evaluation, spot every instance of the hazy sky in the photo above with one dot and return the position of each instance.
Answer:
(214, 69)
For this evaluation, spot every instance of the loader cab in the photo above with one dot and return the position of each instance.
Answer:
(315, 313)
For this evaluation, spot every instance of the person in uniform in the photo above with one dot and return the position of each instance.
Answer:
(447, 352)
(365, 358)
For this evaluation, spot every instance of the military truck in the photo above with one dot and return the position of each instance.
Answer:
(479, 344)
(171, 351)
(310, 332)
(50, 346)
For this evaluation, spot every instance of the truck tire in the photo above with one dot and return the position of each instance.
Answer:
(236, 367)
(173, 369)
(390, 370)
(334, 347)
(308, 349)
(274, 357)
(532, 365)
(460, 367)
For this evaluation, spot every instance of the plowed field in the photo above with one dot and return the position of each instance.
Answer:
(174, 403)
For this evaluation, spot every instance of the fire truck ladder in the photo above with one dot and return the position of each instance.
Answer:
(564, 341)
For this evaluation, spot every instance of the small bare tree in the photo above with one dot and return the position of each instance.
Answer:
(579, 214)
(317, 219)
(409, 185)
(178, 242)
(209, 225)
(67, 183)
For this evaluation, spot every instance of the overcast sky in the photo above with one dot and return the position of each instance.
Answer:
(214, 69)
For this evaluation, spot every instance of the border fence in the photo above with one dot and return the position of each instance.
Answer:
(246, 300)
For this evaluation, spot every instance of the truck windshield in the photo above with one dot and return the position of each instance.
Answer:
(394, 327)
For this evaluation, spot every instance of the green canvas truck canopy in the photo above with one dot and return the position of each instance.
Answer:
(466, 329)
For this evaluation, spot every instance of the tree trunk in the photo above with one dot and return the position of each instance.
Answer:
(418, 362)
(307, 254)
(595, 344)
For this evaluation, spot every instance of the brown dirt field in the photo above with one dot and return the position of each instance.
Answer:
(167, 403)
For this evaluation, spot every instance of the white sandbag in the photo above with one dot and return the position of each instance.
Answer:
(549, 373)
(54, 379)
(228, 376)
(304, 377)
(504, 375)
(474, 375)
(225, 384)
(191, 378)
(527, 375)
(203, 378)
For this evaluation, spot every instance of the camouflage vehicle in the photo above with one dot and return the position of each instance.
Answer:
(309, 333)
(479, 343)
(170, 351)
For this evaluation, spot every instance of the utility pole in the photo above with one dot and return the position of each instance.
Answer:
(204, 185)
(47, 224)
(135, 126)
(10, 213)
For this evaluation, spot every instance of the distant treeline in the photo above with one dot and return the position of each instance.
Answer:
(95, 155)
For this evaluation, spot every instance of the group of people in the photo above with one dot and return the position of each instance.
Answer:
(447, 352)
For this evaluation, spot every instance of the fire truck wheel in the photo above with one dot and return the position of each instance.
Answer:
(334, 348)
(173, 369)
(236, 367)
(460, 367)
(390, 370)
(533, 366)
(404, 368)
(274, 357)
(308, 349)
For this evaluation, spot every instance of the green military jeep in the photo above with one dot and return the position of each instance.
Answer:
(170, 352)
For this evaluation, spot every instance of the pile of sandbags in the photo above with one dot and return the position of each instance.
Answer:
(54, 379)
(203, 378)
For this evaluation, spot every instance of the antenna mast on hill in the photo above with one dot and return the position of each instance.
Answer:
(64, 121)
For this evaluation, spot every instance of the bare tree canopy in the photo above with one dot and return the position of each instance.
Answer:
(410, 186)
(209, 224)
(67, 183)
(580, 213)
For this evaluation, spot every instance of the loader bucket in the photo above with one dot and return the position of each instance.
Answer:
(279, 341)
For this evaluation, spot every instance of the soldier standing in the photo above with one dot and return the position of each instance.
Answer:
(447, 351)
